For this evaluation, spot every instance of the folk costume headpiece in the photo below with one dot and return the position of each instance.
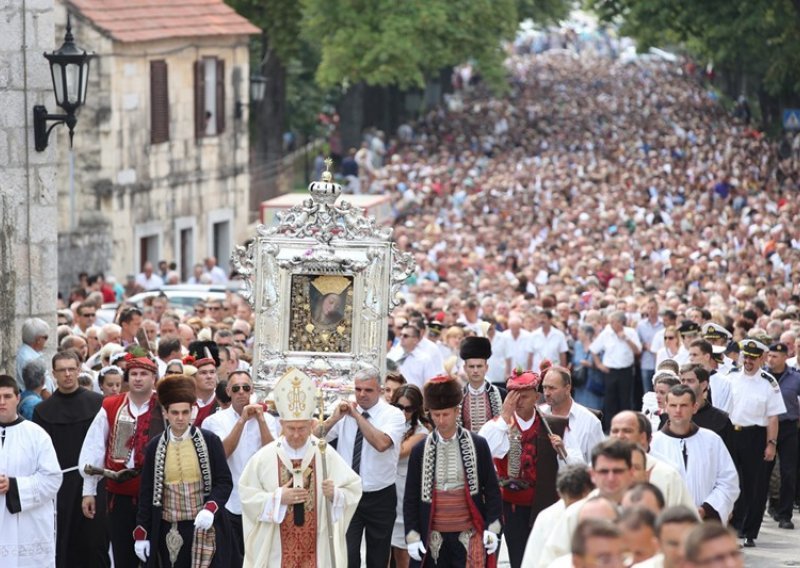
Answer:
(442, 392)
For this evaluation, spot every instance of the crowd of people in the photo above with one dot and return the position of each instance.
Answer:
(593, 364)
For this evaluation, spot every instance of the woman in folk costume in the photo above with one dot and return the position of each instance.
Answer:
(297, 498)
(452, 502)
(185, 485)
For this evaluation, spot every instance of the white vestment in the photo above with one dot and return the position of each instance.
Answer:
(27, 537)
(542, 527)
(705, 464)
(262, 512)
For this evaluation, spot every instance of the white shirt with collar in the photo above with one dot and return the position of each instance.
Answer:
(418, 367)
(221, 423)
(549, 346)
(378, 470)
(584, 430)
(519, 349)
(617, 354)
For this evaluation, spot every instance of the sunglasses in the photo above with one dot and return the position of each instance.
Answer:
(245, 388)
(405, 408)
(406, 335)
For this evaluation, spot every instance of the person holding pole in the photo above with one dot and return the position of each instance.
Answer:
(297, 496)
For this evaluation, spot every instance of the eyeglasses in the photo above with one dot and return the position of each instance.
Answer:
(669, 337)
(245, 388)
(214, 308)
(404, 408)
(68, 370)
(91, 315)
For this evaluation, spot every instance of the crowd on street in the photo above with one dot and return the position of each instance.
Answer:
(594, 363)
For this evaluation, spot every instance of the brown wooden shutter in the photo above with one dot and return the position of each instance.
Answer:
(220, 96)
(159, 102)
(199, 99)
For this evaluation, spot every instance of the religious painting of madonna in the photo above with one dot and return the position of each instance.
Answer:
(321, 313)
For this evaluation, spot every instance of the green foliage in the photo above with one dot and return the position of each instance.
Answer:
(756, 38)
(401, 42)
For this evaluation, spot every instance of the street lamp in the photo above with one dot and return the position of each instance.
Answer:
(258, 88)
(69, 67)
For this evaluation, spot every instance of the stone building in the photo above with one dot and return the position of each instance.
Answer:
(28, 277)
(161, 148)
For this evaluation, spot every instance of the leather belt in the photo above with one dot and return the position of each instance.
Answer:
(737, 428)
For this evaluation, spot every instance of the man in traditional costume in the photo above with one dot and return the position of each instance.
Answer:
(66, 417)
(452, 503)
(482, 400)
(29, 480)
(297, 496)
(114, 445)
(185, 484)
(699, 455)
(206, 361)
(525, 457)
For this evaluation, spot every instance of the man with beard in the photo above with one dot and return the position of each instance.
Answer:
(115, 442)
(757, 403)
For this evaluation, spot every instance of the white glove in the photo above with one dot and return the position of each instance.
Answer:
(490, 542)
(416, 550)
(204, 520)
(142, 549)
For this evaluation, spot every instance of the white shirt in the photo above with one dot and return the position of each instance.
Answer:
(151, 283)
(221, 423)
(432, 350)
(497, 362)
(705, 465)
(542, 527)
(495, 432)
(519, 349)
(617, 354)
(93, 451)
(378, 470)
(584, 430)
(721, 392)
(754, 399)
(218, 275)
(549, 346)
(418, 367)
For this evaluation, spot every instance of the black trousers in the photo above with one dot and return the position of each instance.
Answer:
(787, 466)
(451, 555)
(374, 515)
(237, 540)
(517, 524)
(121, 522)
(80, 541)
(184, 560)
(748, 446)
(619, 393)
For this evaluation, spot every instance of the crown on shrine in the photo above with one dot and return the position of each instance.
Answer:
(326, 190)
(330, 284)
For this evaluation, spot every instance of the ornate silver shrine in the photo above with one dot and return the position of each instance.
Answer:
(322, 284)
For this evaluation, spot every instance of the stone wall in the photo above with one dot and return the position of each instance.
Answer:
(89, 248)
(28, 213)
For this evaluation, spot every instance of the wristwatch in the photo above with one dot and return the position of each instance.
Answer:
(773, 442)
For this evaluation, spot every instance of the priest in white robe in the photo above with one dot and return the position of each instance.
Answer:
(29, 481)
(297, 497)
(699, 455)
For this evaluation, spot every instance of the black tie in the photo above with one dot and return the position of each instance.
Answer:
(357, 446)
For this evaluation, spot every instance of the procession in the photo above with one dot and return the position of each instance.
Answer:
(572, 342)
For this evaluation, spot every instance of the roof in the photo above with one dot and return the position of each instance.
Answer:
(149, 20)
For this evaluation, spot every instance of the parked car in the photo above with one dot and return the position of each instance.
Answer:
(182, 297)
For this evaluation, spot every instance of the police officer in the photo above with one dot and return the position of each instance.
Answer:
(789, 382)
(757, 403)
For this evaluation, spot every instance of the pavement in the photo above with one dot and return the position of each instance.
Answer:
(775, 548)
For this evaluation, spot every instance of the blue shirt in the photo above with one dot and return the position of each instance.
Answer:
(789, 382)
(647, 331)
(28, 401)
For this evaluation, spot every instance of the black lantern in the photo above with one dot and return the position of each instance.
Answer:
(69, 67)
(258, 87)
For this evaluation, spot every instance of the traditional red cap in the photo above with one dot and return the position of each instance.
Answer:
(141, 363)
(526, 380)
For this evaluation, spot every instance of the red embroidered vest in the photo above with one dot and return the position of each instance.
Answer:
(113, 405)
(516, 471)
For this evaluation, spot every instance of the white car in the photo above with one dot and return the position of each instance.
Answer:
(182, 298)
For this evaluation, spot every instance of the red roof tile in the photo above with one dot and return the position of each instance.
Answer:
(148, 20)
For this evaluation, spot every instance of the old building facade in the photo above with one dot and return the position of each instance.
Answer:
(161, 151)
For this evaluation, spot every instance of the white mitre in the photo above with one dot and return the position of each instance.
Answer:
(295, 396)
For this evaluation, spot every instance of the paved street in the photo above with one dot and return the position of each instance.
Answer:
(774, 548)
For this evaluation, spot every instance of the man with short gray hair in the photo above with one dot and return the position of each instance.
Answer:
(368, 433)
(35, 332)
(614, 351)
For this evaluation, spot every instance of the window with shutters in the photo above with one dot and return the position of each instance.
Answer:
(159, 102)
(209, 97)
